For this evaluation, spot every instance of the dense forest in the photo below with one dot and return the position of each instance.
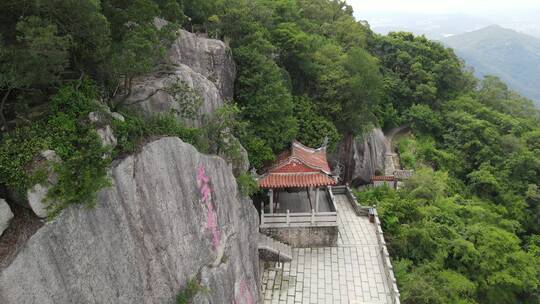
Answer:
(465, 229)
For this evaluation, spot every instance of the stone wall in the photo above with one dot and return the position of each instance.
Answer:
(304, 237)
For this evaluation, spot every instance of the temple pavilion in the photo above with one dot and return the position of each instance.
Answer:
(297, 184)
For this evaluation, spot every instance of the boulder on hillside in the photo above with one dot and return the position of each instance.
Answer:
(5, 215)
(37, 195)
(204, 65)
(362, 157)
(208, 57)
(150, 95)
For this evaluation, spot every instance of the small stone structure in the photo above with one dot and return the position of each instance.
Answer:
(304, 237)
(388, 180)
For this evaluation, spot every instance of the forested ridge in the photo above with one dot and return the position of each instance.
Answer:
(465, 229)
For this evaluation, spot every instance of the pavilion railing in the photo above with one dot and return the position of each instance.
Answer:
(301, 219)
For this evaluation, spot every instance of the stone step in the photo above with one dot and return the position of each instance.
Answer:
(273, 250)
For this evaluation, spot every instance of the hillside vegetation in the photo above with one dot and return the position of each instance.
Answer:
(512, 56)
(464, 230)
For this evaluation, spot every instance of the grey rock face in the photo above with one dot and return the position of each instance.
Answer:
(118, 116)
(172, 214)
(208, 57)
(38, 193)
(148, 95)
(5, 215)
(205, 65)
(363, 157)
(242, 164)
(102, 121)
(107, 137)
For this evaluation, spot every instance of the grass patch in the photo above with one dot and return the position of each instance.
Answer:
(186, 295)
(135, 131)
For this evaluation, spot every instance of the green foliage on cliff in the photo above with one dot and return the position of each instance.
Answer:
(186, 295)
(64, 128)
(135, 131)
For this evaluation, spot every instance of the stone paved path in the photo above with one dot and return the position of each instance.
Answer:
(350, 273)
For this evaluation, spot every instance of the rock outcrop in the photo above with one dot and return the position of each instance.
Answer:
(205, 65)
(5, 215)
(207, 68)
(149, 95)
(208, 57)
(170, 216)
(37, 195)
(362, 157)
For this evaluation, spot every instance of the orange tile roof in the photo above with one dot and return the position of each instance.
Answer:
(284, 180)
(300, 166)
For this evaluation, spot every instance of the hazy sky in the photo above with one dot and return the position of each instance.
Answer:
(444, 6)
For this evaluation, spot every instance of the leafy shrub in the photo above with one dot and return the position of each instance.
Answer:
(186, 295)
(132, 133)
(188, 99)
(219, 130)
(247, 184)
(66, 130)
(17, 150)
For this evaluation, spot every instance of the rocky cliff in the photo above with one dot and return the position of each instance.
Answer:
(170, 216)
(361, 157)
(204, 65)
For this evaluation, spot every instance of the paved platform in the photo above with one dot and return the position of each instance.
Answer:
(350, 273)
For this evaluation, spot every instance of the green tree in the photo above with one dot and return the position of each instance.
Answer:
(35, 61)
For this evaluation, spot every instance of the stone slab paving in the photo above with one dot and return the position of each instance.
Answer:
(350, 273)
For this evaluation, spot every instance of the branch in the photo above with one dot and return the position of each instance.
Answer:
(147, 97)
(3, 122)
(80, 80)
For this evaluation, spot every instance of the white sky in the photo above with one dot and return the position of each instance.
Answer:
(444, 6)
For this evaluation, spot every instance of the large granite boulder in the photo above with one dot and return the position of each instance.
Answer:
(5, 215)
(204, 65)
(170, 216)
(206, 68)
(361, 157)
(150, 94)
(208, 57)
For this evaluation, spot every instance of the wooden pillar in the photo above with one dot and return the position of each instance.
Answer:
(317, 199)
(309, 197)
(271, 194)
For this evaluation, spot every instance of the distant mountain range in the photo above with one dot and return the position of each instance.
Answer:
(512, 56)
(440, 26)
(434, 27)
